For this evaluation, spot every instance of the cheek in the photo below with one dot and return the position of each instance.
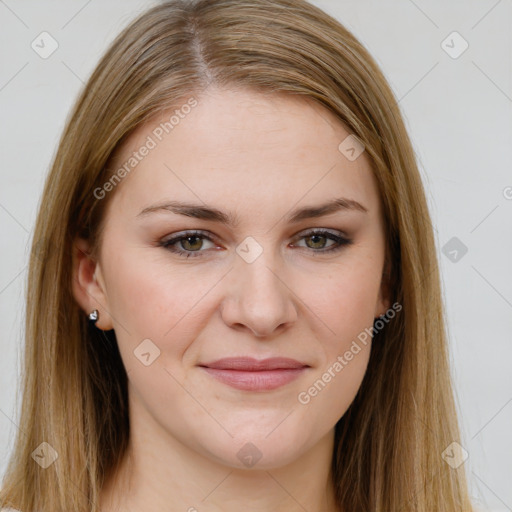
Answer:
(150, 299)
(344, 302)
(326, 398)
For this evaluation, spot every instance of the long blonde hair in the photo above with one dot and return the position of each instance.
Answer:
(389, 444)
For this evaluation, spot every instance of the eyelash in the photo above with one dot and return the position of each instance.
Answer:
(341, 242)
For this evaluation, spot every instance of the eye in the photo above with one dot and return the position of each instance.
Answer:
(317, 239)
(191, 242)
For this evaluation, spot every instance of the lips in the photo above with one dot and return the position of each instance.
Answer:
(249, 374)
(253, 365)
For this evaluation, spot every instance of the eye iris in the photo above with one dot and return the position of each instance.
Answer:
(322, 239)
(187, 241)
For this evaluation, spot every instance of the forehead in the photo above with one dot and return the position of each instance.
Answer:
(243, 146)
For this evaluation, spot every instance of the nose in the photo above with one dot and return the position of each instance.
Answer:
(258, 297)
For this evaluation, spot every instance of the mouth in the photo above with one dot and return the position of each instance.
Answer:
(250, 374)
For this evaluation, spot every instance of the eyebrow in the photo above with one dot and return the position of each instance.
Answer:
(198, 211)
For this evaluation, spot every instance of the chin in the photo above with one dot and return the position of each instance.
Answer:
(257, 450)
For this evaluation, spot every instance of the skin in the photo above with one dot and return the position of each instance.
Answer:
(258, 157)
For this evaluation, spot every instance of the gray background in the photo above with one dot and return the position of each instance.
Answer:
(458, 112)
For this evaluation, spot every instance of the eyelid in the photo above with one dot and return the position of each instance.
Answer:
(207, 235)
(331, 231)
(188, 232)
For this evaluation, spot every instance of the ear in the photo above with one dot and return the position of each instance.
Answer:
(88, 285)
(384, 299)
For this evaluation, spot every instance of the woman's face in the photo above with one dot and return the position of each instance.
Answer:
(252, 176)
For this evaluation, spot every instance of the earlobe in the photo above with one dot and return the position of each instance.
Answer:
(87, 285)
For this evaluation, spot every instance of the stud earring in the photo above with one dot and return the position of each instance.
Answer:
(93, 315)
